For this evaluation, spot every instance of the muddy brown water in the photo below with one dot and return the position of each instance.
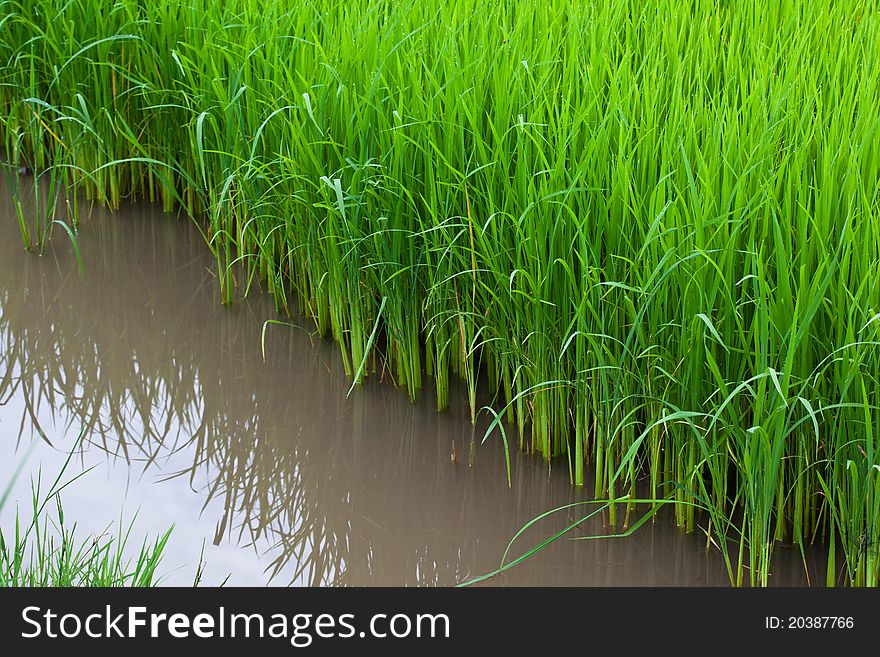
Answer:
(266, 463)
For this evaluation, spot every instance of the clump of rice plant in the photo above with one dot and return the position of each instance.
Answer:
(653, 228)
(46, 551)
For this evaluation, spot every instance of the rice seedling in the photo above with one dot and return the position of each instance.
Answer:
(47, 552)
(652, 229)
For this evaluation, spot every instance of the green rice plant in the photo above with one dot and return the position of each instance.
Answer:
(47, 552)
(650, 229)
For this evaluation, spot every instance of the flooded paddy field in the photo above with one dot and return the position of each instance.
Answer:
(241, 435)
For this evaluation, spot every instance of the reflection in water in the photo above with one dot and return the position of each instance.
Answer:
(318, 488)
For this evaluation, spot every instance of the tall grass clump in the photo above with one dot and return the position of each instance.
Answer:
(653, 228)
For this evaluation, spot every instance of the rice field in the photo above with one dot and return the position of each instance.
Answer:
(651, 229)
